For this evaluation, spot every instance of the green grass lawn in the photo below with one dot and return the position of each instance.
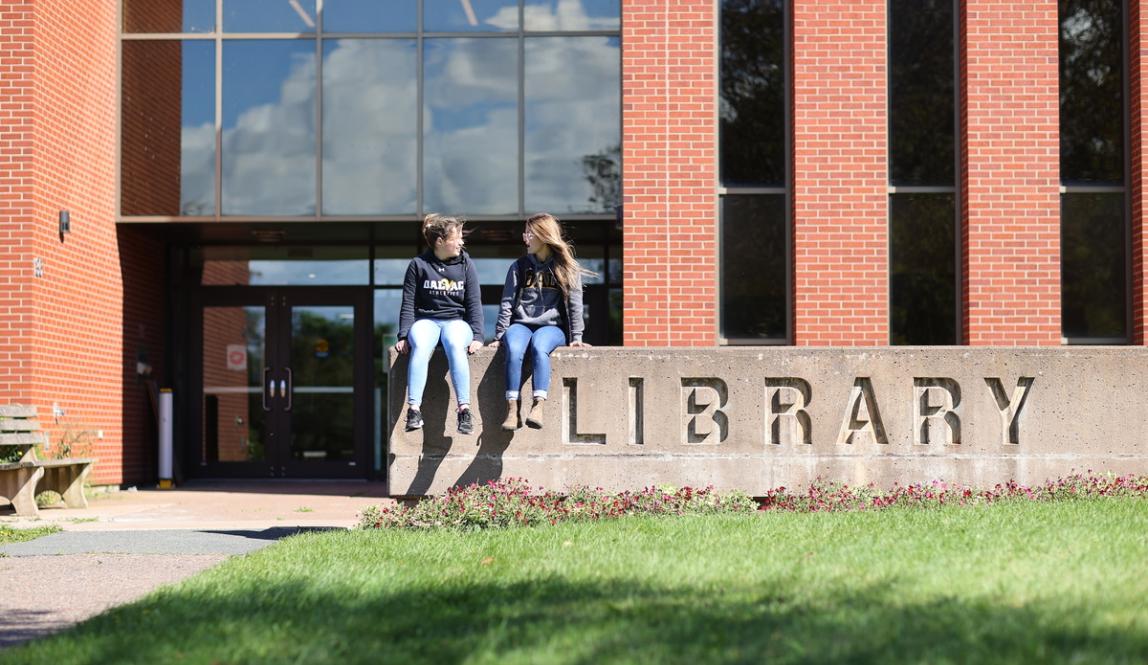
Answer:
(11, 535)
(1014, 582)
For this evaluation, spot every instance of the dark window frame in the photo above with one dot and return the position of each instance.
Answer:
(1125, 189)
(958, 174)
(785, 190)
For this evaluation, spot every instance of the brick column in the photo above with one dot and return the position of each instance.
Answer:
(78, 340)
(669, 91)
(1137, 53)
(840, 182)
(16, 203)
(1010, 218)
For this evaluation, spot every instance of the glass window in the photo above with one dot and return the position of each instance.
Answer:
(922, 289)
(282, 266)
(573, 124)
(754, 244)
(1094, 268)
(269, 127)
(370, 126)
(1091, 92)
(922, 115)
(169, 15)
(470, 15)
(570, 15)
(754, 241)
(294, 16)
(370, 16)
(168, 128)
(470, 126)
(922, 148)
(752, 102)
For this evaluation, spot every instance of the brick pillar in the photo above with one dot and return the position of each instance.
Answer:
(670, 169)
(840, 182)
(1010, 217)
(17, 209)
(78, 358)
(1137, 52)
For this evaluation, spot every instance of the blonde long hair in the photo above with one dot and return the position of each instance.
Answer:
(567, 270)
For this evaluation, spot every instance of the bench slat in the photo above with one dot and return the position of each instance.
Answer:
(17, 411)
(21, 439)
(16, 425)
(63, 462)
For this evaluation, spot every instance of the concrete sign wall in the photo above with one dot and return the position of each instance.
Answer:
(762, 418)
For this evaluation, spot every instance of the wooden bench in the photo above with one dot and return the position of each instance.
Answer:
(23, 478)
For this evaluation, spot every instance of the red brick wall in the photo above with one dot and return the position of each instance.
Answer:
(1011, 179)
(669, 130)
(1137, 52)
(17, 297)
(840, 181)
(76, 330)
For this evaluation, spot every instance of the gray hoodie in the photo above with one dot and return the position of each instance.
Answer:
(531, 296)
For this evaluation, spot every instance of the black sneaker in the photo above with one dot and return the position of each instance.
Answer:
(465, 422)
(414, 419)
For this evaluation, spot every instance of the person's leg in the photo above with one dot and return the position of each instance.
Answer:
(456, 336)
(542, 343)
(515, 340)
(423, 338)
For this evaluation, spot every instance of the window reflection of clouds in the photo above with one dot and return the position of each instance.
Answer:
(269, 16)
(572, 112)
(470, 125)
(557, 15)
(370, 106)
(370, 16)
(484, 15)
(269, 128)
(197, 131)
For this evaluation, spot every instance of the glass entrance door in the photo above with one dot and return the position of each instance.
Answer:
(283, 383)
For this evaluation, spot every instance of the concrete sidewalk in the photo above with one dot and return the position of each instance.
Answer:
(128, 543)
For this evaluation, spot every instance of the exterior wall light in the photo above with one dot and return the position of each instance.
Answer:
(65, 224)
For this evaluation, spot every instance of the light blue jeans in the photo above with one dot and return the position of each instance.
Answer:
(541, 342)
(423, 337)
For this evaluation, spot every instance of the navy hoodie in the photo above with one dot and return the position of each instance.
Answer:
(435, 289)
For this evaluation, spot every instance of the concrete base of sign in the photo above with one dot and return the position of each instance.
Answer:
(757, 419)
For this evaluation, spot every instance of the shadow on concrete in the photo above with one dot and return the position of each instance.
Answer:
(272, 533)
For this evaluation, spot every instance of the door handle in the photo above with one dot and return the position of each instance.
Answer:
(267, 386)
(282, 388)
(288, 387)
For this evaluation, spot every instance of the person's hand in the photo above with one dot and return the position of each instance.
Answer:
(579, 343)
(493, 345)
(401, 346)
(474, 346)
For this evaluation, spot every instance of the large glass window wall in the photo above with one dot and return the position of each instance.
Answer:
(345, 109)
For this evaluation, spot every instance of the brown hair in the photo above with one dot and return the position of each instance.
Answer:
(437, 226)
(548, 229)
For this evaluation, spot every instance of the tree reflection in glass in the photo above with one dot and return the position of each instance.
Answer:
(573, 121)
(1091, 92)
(752, 102)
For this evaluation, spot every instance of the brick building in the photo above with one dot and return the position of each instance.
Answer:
(242, 183)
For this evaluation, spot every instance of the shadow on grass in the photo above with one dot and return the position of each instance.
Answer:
(552, 620)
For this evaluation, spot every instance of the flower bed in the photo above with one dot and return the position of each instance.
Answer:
(513, 502)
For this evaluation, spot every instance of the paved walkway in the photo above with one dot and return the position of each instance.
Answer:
(125, 544)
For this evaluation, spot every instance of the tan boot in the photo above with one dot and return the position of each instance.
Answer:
(511, 422)
(535, 418)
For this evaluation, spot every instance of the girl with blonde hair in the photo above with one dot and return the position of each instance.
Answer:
(541, 309)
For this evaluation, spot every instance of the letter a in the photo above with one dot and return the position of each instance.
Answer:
(862, 417)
